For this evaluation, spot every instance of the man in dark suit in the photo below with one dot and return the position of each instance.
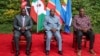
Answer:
(22, 25)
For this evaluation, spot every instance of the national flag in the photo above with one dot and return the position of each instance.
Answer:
(54, 4)
(38, 13)
(25, 4)
(67, 15)
(27, 7)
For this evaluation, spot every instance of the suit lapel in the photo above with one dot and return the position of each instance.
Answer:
(20, 19)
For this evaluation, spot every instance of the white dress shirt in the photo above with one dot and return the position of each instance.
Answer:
(23, 21)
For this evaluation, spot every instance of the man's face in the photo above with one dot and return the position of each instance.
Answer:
(23, 12)
(52, 12)
(82, 12)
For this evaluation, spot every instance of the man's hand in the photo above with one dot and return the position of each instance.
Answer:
(23, 29)
(53, 30)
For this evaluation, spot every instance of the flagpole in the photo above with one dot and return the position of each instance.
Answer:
(37, 16)
(26, 8)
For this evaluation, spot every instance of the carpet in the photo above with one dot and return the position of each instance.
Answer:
(38, 48)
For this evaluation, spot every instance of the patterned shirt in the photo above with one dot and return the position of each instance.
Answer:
(81, 22)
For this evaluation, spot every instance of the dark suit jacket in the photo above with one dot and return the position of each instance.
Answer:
(18, 22)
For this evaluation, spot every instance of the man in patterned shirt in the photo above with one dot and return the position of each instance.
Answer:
(82, 26)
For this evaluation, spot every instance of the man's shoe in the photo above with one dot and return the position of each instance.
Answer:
(28, 53)
(47, 52)
(60, 52)
(17, 54)
(78, 52)
(92, 52)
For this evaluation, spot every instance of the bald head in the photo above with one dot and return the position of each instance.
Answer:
(23, 12)
(52, 12)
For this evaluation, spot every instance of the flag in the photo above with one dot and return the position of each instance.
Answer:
(27, 7)
(67, 15)
(38, 13)
(54, 4)
(25, 4)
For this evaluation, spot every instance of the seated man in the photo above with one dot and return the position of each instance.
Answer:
(22, 25)
(52, 26)
(82, 25)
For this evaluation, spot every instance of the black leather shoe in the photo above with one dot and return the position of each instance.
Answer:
(60, 52)
(28, 53)
(17, 54)
(47, 52)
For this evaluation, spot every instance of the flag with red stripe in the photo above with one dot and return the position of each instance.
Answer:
(38, 13)
(54, 4)
(25, 4)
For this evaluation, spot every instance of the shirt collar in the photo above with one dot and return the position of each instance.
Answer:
(52, 17)
(22, 16)
(80, 17)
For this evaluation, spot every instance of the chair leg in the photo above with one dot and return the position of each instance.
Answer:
(73, 45)
(44, 43)
(85, 43)
(12, 47)
(74, 42)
